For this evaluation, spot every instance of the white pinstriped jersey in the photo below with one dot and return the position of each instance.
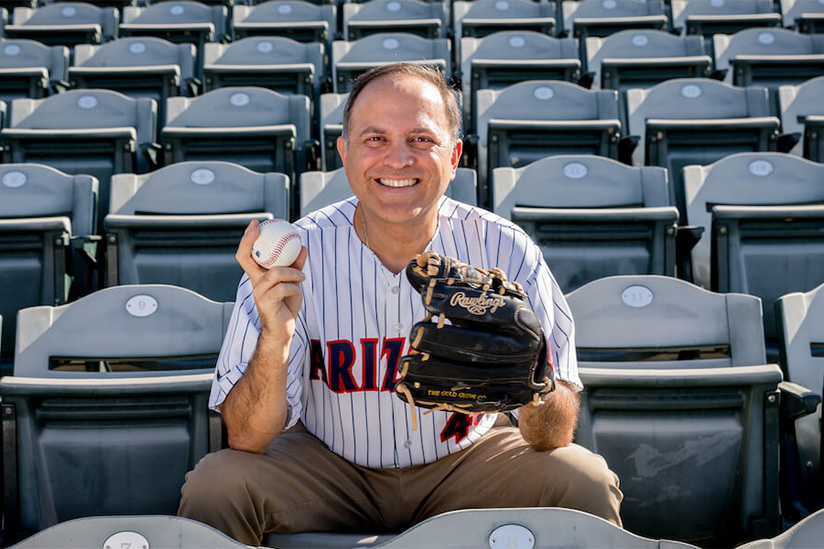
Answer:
(354, 325)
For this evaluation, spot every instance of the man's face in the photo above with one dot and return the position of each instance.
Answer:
(398, 154)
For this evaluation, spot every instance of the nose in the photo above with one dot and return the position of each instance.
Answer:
(398, 155)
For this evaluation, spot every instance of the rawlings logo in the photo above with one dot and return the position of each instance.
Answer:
(476, 305)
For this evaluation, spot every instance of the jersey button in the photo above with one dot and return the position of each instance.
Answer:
(407, 444)
(399, 328)
(396, 289)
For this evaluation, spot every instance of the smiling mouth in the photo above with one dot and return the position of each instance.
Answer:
(397, 183)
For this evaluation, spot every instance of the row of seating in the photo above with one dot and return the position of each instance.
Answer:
(679, 399)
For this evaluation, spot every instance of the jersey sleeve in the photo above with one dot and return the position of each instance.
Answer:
(239, 346)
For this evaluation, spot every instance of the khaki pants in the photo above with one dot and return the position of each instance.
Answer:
(299, 485)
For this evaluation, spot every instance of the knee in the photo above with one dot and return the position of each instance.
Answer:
(214, 478)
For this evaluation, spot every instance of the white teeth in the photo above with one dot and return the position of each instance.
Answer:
(397, 182)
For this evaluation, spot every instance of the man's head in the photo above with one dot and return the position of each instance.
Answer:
(425, 72)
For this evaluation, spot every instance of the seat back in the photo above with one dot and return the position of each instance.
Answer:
(181, 224)
(29, 69)
(506, 57)
(806, 16)
(425, 19)
(798, 105)
(531, 120)
(295, 19)
(592, 216)
(800, 320)
(350, 59)
(260, 129)
(585, 18)
(96, 132)
(679, 402)
(484, 17)
(40, 210)
(137, 67)
(697, 121)
(64, 24)
(109, 397)
(745, 246)
(319, 189)
(710, 17)
(331, 127)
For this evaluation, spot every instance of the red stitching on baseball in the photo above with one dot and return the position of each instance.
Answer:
(279, 247)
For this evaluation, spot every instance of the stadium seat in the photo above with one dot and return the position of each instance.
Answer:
(181, 224)
(319, 189)
(425, 19)
(806, 16)
(640, 58)
(28, 69)
(295, 19)
(178, 21)
(802, 113)
(484, 17)
(504, 58)
(697, 121)
(64, 24)
(762, 214)
(331, 126)
(800, 320)
(585, 18)
(350, 59)
(137, 67)
(41, 210)
(95, 132)
(592, 216)
(680, 402)
(108, 403)
(769, 58)
(530, 120)
(260, 129)
(709, 17)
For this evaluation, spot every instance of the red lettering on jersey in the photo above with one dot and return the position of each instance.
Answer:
(341, 360)
(369, 359)
(392, 350)
(317, 369)
(458, 426)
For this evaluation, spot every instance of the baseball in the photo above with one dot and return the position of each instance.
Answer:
(278, 244)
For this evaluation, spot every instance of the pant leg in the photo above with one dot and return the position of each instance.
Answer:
(502, 470)
(297, 485)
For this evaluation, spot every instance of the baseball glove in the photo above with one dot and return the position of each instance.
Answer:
(490, 357)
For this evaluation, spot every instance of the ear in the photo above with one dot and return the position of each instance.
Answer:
(456, 157)
(341, 144)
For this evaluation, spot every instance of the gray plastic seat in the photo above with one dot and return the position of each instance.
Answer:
(109, 397)
(531, 120)
(709, 17)
(762, 214)
(687, 121)
(802, 112)
(178, 21)
(64, 24)
(137, 67)
(295, 19)
(180, 224)
(41, 209)
(331, 127)
(425, 19)
(679, 401)
(28, 69)
(504, 58)
(592, 216)
(484, 17)
(806, 533)
(769, 58)
(319, 189)
(95, 132)
(585, 18)
(350, 59)
(806, 16)
(260, 129)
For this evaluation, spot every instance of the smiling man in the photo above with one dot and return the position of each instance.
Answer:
(305, 380)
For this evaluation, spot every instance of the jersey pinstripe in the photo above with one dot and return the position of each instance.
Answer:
(354, 325)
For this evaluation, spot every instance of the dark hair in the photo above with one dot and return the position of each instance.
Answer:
(427, 72)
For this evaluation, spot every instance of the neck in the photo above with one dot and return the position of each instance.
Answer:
(394, 244)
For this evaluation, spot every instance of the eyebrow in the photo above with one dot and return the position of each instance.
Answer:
(379, 130)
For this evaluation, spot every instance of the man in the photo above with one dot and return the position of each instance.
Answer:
(314, 347)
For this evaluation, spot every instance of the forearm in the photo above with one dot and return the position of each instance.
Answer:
(255, 410)
(551, 424)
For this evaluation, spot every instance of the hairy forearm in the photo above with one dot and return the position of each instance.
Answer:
(551, 424)
(255, 409)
